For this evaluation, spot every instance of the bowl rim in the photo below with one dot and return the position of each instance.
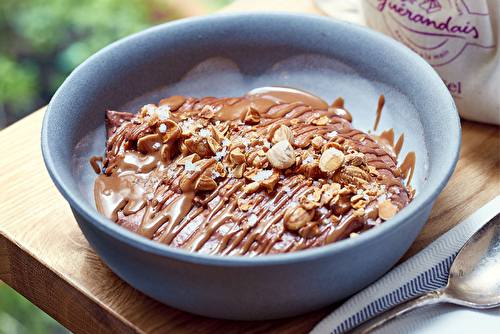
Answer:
(338, 248)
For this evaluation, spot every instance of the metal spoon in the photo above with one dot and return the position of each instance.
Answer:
(473, 281)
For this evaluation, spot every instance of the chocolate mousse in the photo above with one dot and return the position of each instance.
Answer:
(277, 170)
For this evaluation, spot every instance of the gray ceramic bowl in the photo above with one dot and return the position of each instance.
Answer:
(327, 57)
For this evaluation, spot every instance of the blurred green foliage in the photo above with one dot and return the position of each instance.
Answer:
(19, 316)
(42, 41)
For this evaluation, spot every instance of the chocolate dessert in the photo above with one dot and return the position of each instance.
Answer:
(278, 170)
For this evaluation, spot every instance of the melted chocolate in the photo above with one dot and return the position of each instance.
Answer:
(171, 174)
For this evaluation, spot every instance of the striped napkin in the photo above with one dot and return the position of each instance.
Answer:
(427, 270)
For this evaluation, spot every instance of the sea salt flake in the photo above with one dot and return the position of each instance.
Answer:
(162, 128)
(163, 112)
(310, 197)
(382, 197)
(191, 167)
(219, 155)
(323, 210)
(204, 133)
(246, 142)
(150, 110)
(170, 173)
(156, 146)
(287, 190)
(226, 142)
(252, 220)
(262, 175)
(332, 134)
(308, 160)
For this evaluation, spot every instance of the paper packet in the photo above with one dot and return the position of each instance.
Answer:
(459, 38)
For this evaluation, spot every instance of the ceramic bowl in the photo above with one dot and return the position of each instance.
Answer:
(226, 55)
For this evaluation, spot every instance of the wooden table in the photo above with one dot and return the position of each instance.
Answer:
(45, 257)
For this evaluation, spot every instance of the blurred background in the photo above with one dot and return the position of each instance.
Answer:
(41, 42)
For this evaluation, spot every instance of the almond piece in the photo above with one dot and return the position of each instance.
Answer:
(239, 170)
(237, 156)
(207, 112)
(356, 159)
(331, 160)
(386, 210)
(213, 144)
(205, 183)
(281, 155)
(251, 115)
(317, 142)
(323, 120)
(251, 187)
(191, 158)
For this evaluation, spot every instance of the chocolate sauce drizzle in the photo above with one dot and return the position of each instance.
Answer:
(147, 186)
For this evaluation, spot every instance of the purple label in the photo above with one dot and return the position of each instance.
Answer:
(438, 30)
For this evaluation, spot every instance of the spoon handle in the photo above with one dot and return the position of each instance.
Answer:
(423, 299)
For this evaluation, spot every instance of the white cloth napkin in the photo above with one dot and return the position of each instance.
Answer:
(427, 270)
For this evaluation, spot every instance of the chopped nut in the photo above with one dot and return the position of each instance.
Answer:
(331, 160)
(309, 204)
(213, 144)
(356, 159)
(251, 187)
(323, 120)
(205, 183)
(317, 194)
(257, 158)
(373, 171)
(251, 116)
(281, 155)
(237, 156)
(239, 170)
(199, 146)
(350, 173)
(244, 205)
(216, 134)
(216, 170)
(309, 231)
(283, 133)
(297, 217)
(317, 142)
(356, 198)
(250, 173)
(358, 212)
(271, 182)
(191, 158)
(358, 204)
(207, 112)
(386, 210)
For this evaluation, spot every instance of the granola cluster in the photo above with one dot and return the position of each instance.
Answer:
(274, 171)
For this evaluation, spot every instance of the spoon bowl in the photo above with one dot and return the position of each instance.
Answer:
(473, 280)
